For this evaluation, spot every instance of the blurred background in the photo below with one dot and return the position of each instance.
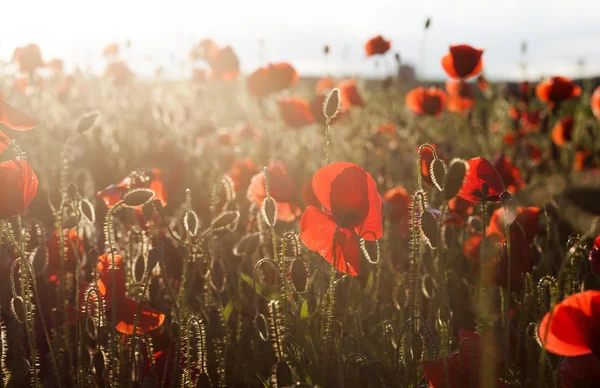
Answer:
(522, 39)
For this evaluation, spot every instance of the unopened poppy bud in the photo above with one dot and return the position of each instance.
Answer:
(429, 226)
(437, 170)
(299, 275)
(72, 191)
(225, 220)
(427, 23)
(138, 197)
(87, 122)
(269, 211)
(454, 179)
(331, 107)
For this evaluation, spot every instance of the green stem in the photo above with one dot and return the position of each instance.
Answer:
(508, 295)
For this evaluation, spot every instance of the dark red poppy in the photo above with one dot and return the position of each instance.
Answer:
(482, 83)
(461, 96)
(563, 131)
(534, 152)
(295, 112)
(472, 248)
(29, 58)
(271, 79)
(524, 91)
(224, 64)
(56, 65)
(351, 209)
(111, 50)
(398, 201)
(14, 118)
(462, 62)
(482, 182)
(595, 102)
(142, 178)
(464, 365)
(126, 308)
(584, 159)
(429, 102)
(241, 173)
(281, 187)
(119, 72)
(18, 187)
(572, 328)
(324, 85)
(521, 259)
(349, 95)
(387, 128)
(73, 243)
(308, 195)
(557, 89)
(460, 206)
(531, 120)
(377, 46)
(426, 159)
(595, 256)
(509, 173)
(527, 217)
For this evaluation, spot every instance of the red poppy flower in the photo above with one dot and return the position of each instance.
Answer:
(521, 259)
(525, 91)
(377, 46)
(349, 95)
(224, 64)
(595, 256)
(461, 368)
(56, 65)
(295, 111)
(462, 62)
(572, 328)
(13, 118)
(271, 79)
(324, 85)
(308, 195)
(514, 113)
(126, 308)
(563, 131)
(557, 89)
(351, 210)
(527, 217)
(71, 239)
(531, 119)
(111, 50)
(429, 102)
(472, 248)
(281, 187)
(241, 173)
(426, 160)
(509, 173)
(460, 206)
(143, 178)
(482, 83)
(29, 58)
(398, 200)
(461, 96)
(482, 182)
(387, 128)
(583, 160)
(534, 152)
(119, 72)
(18, 187)
(595, 102)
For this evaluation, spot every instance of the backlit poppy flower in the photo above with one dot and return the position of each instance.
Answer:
(281, 187)
(18, 187)
(482, 83)
(465, 367)
(295, 112)
(531, 119)
(349, 95)
(534, 152)
(377, 46)
(398, 201)
(557, 89)
(460, 105)
(241, 173)
(430, 102)
(462, 62)
(72, 241)
(119, 72)
(351, 210)
(56, 65)
(509, 173)
(111, 50)
(595, 102)
(563, 131)
(324, 85)
(482, 182)
(583, 160)
(308, 195)
(514, 113)
(126, 308)
(29, 58)
(472, 248)
(142, 178)
(224, 64)
(271, 79)
(521, 259)
(527, 217)
(572, 329)
(460, 206)
(13, 118)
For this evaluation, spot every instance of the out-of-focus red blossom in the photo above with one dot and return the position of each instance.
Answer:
(482, 182)
(271, 79)
(572, 329)
(377, 46)
(199, 75)
(29, 58)
(521, 259)
(324, 85)
(73, 243)
(472, 248)
(351, 210)
(225, 138)
(386, 128)
(143, 178)
(462, 62)
(509, 173)
(482, 83)
(126, 308)
(224, 64)
(398, 202)
(460, 206)
(514, 113)
(14, 118)
(426, 158)
(461, 96)
(563, 131)
(583, 160)
(430, 102)
(18, 187)
(534, 152)
(281, 187)
(56, 65)
(246, 131)
(308, 195)
(510, 139)
(531, 119)
(111, 50)
(295, 111)
(464, 365)
(349, 95)
(527, 217)
(241, 173)
(595, 256)
(525, 91)
(557, 89)
(119, 72)
(595, 102)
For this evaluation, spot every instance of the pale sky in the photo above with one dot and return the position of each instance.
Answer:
(558, 32)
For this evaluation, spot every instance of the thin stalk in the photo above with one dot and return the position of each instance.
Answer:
(135, 325)
(507, 297)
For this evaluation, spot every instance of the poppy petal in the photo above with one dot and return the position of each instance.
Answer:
(349, 196)
(371, 228)
(14, 118)
(323, 179)
(18, 187)
(148, 320)
(318, 232)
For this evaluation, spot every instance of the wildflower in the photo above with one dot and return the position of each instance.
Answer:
(595, 102)
(556, 90)
(14, 118)
(18, 187)
(295, 112)
(462, 62)
(377, 46)
(398, 201)
(271, 79)
(509, 173)
(349, 94)
(482, 182)
(143, 178)
(29, 58)
(430, 102)
(563, 131)
(282, 189)
(73, 245)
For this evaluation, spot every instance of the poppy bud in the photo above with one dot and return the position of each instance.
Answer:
(331, 107)
(87, 210)
(154, 256)
(217, 276)
(18, 308)
(39, 261)
(454, 178)
(138, 197)
(69, 223)
(225, 220)
(438, 173)
(86, 122)
(72, 191)
(429, 226)
(247, 245)
(299, 275)
(148, 210)
(427, 23)
(283, 374)
(269, 211)
(326, 49)
(139, 268)
(190, 222)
